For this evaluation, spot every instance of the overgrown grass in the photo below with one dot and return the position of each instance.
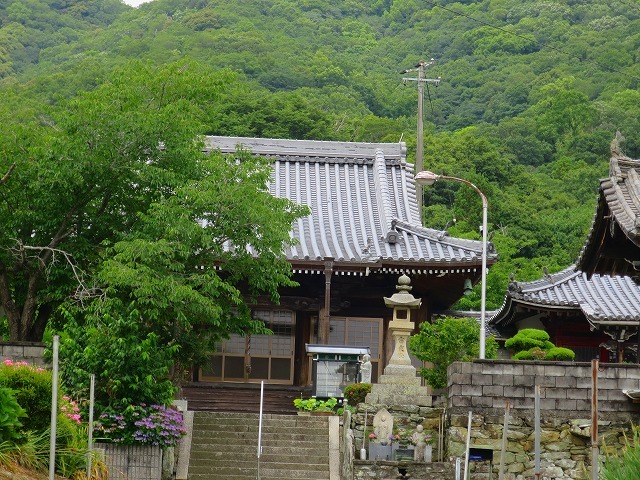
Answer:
(626, 464)
(32, 453)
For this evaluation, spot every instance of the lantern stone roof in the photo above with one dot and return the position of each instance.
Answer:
(364, 212)
(613, 244)
(603, 299)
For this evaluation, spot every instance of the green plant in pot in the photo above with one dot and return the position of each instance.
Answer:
(314, 405)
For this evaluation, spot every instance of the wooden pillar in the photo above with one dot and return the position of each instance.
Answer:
(325, 311)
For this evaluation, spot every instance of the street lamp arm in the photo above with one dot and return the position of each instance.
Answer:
(427, 178)
(485, 202)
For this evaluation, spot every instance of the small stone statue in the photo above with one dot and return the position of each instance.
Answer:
(383, 425)
(419, 441)
(365, 369)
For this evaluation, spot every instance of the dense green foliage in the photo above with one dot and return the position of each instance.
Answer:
(10, 415)
(534, 344)
(445, 341)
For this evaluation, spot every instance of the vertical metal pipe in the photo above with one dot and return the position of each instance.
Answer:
(92, 386)
(466, 454)
(594, 420)
(503, 451)
(54, 410)
(536, 469)
(443, 420)
(363, 450)
(483, 288)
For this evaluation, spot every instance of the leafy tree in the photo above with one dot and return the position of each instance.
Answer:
(445, 341)
(130, 365)
(178, 281)
(84, 170)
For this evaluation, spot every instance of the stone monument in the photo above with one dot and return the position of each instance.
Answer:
(399, 384)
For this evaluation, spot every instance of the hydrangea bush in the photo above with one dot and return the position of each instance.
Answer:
(142, 425)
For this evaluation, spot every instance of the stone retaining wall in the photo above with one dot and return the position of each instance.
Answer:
(30, 352)
(483, 387)
(381, 470)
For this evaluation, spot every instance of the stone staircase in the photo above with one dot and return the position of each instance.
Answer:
(224, 446)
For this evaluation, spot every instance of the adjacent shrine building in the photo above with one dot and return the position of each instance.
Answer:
(592, 307)
(595, 317)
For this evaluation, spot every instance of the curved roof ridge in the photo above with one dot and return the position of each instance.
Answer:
(306, 148)
(440, 237)
(548, 280)
(381, 186)
(616, 222)
(601, 298)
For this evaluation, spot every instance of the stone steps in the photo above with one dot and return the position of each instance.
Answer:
(224, 446)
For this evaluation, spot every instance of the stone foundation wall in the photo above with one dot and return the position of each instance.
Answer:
(30, 352)
(388, 470)
(484, 386)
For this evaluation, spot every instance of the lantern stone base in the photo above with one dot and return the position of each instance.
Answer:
(399, 385)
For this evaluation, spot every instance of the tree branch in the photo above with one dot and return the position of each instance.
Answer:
(8, 174)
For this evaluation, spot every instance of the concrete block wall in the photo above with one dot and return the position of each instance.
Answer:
(30, 352)
(565, 386)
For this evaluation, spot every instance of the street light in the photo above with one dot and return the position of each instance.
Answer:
(426, 178)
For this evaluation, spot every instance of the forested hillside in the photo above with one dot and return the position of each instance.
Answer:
(531, 93)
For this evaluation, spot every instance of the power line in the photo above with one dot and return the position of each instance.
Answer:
(540, 44)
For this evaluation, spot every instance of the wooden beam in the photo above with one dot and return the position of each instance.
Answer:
(325, 311)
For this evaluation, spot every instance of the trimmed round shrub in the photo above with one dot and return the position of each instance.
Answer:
(355, 393)
(560, 353)
(527, 339)
(523, 355)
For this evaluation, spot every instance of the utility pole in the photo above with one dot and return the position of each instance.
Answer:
(420, 131)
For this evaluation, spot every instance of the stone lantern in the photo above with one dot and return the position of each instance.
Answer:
(399, 385)
(401, 326)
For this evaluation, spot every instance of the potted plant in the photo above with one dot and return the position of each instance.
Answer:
(313, 406)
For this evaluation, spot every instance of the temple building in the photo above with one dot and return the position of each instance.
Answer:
(364, 231)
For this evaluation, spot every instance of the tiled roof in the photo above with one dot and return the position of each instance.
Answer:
(604, 300)
(363, 202)
(613, 244)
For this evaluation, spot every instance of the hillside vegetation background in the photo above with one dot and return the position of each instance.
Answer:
(532, 92)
